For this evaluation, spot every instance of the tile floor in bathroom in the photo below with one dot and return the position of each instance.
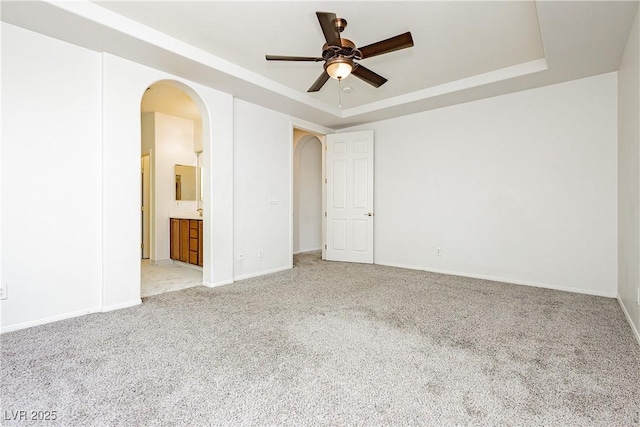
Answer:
(158, 279)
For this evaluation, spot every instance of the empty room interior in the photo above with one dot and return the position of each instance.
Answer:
(320, 213)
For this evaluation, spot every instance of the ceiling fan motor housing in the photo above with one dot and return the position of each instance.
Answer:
(346, 50)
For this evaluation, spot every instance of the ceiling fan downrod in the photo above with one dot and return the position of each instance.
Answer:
(340, 24)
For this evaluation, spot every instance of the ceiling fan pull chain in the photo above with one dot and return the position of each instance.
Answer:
(339, 93)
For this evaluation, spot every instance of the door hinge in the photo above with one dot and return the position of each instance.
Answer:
(141, 245)
(325, 214)
(142, 208)
(325, 246)
(325, 180)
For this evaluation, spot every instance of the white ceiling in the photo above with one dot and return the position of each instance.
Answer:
(452, 40)
(463, 50)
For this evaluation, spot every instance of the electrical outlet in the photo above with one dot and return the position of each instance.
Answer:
(3, 291)
(240, 256)
(260, 253)
(438, 251)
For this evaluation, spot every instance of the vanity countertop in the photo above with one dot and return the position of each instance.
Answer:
(184, 214)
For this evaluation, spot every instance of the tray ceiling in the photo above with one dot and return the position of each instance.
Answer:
(463, 50)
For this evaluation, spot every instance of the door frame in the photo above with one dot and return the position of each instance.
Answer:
(320, 132)
(147, 210)
(204, 161)
(297, 155)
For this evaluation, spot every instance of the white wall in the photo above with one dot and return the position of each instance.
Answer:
(51, 179)
(69, 112)
(147, 127)
(173, 144)
(520, 188)
(307, 195)
(197, 128)
(629, 176)
(263, 188)
(262, 176)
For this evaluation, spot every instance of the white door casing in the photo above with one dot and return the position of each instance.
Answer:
(349, 186)
(146, 207)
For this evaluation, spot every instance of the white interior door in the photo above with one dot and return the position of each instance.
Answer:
(349, 160)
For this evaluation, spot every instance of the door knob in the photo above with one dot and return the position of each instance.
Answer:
(368, 214)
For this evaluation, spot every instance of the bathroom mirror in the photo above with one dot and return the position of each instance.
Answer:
(185, 182)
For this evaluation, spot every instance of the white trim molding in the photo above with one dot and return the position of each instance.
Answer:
(262, 273)
(636, 333)
(507, 280)
(51, 319)
(126, 304)
(216, 284)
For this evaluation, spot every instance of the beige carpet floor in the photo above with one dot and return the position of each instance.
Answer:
(333, 344)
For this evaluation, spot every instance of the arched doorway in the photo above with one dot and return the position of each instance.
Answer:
(172, 201)
(307, 193)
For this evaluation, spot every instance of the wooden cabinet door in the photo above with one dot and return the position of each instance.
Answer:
(193, 241)
(184, 240)
(200, 251)
(174, 237)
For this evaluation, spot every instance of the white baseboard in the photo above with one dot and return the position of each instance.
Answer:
(46, 320)
(308, 251)
(215, 285)
(127, 304)
(506, 280)
(636, 333)
(261, 273)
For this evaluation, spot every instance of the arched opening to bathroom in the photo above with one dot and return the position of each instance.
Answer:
(307, 193)
(172, 188)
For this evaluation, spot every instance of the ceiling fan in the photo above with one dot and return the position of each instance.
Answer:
(340, 55)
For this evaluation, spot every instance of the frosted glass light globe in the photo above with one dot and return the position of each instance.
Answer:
(339, 68)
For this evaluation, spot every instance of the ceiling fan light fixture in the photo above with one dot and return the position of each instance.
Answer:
(338, 68)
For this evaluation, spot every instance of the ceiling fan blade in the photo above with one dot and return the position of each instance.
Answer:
(402, 41)
(331, 33)
(368, 76)
(292, 58)
(317, 85)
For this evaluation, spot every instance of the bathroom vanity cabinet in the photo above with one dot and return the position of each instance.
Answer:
(186, 240)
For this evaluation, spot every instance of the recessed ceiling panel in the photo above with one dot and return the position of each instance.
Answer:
(453, 40)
